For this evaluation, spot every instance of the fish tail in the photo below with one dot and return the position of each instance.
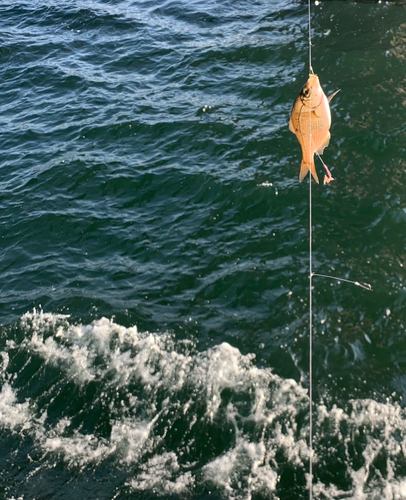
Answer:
(305, 167)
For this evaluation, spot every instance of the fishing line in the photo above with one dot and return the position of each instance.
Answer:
(310, 290)
(310, 340)
(310, 43)
(365, 286)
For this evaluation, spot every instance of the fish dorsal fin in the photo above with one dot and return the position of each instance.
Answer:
(324, 144)
(332, 95)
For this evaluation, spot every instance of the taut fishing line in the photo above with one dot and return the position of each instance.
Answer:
(365, 286)
(310, 292)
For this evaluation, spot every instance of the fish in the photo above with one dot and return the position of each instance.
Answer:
(310, 121)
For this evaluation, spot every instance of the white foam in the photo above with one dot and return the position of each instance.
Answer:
(76, 358)
(130, 438)
(13, 415)
(5, 359)
(76, 451)
(162, 474)
(148, 381)
(247, 463)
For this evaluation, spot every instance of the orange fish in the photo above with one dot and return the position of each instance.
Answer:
(310, 121)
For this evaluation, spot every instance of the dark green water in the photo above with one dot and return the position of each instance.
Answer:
(154, 252)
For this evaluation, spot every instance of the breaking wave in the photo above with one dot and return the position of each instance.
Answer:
(172, 420)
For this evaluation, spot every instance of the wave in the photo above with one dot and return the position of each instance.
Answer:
(171, 419)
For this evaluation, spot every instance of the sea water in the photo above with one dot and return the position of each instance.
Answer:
(154, 252)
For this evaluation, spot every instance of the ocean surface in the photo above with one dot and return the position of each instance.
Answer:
(154, 251)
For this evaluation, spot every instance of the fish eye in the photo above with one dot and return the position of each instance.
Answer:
(306, 92)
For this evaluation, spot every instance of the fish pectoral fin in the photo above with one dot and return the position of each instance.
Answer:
(324, 144)
(291, 127)
(332, 95)
(317, 111)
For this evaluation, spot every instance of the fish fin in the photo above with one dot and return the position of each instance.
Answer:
(324, 144)
(291, 127)
(332, 95)
(305, 167)
(313, 171)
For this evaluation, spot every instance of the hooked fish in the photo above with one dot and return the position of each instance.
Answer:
(310, 121)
